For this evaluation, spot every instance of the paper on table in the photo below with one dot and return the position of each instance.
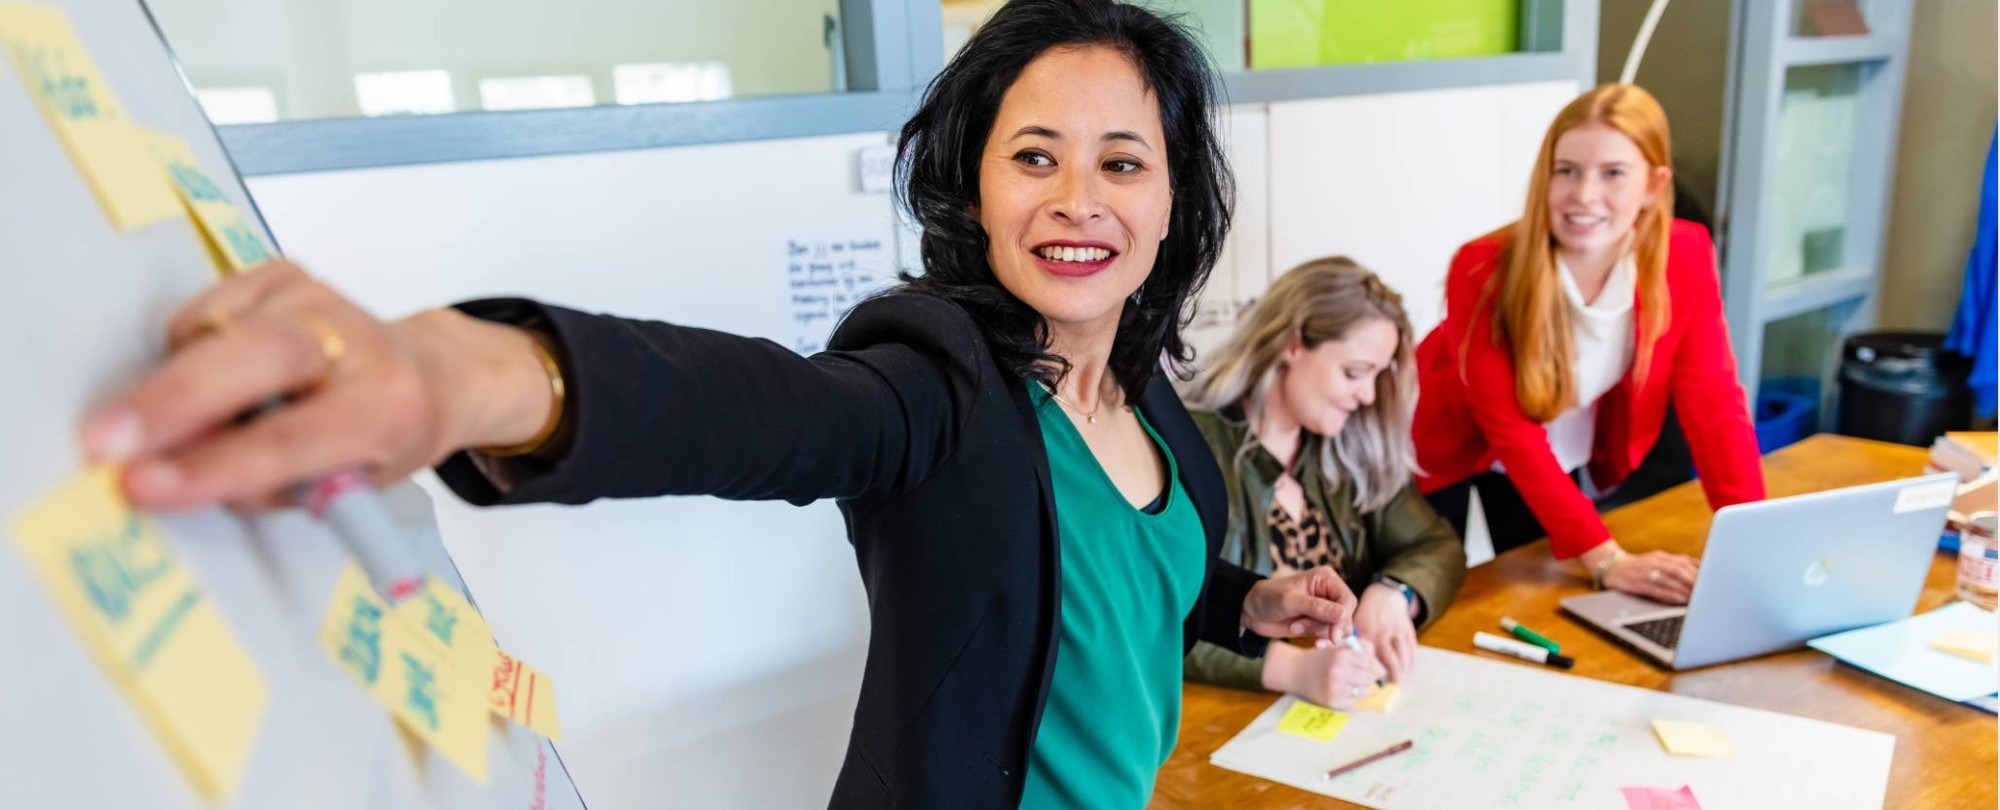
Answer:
(85, 115)
(140, 613)
(1691, 739)
(1658, 798)
(1901, 651)
(1494, 734)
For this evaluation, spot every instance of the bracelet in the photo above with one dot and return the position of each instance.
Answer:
(1602, 567)
(558, 393)
(1409, 593)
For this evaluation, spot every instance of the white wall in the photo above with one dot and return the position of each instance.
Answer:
(1397, 181)
(707, 654)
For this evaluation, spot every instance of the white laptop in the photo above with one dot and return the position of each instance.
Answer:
(1778, 572)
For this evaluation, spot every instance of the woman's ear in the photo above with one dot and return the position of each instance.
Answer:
(1662, 178)
(1295, 346)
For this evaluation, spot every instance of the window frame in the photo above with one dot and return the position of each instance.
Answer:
(892, 49)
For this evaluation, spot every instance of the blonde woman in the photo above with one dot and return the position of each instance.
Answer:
(1308, 409)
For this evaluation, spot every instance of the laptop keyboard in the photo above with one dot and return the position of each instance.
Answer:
(1664, 632)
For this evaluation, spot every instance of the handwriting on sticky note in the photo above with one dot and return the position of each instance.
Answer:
(1691, 739)
(85, 115)
(445, 615)
(142, 616)
(231, 241)
(407, 672)
(1312, 721)
(1381, 698)
(514, 691)
(1659, 798)
(1968, 644)
(525, 696)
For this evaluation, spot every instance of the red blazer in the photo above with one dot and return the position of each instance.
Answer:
(1465, 423)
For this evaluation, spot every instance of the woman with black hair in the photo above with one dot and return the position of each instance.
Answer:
(1035, 517)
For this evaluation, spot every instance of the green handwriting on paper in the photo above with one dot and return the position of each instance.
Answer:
(67, 91)
(421, 696)
(439, 618)
(244, 243)
(195, 184)
(361, 648)
(114, 570)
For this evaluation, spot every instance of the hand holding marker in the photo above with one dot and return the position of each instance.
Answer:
(344, 499)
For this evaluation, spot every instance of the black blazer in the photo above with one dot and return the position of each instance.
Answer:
(937, 460)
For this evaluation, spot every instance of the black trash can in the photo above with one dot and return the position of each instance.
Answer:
(1902, 387)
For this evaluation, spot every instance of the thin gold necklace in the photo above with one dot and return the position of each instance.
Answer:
(1089, 416)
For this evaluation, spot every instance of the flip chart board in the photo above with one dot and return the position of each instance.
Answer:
(117, 203)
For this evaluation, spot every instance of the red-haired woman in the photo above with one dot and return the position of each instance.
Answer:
(1566, 336)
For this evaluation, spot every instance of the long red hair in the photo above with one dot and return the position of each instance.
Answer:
(1529, 313)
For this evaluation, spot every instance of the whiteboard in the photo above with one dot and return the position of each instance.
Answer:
(1497, 734)
(85, 309)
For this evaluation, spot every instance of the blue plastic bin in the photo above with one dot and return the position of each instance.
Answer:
(1787, 411)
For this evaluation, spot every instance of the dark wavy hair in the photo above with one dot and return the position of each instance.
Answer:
(938, 158)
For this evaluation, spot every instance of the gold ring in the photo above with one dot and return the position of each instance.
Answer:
(213, 322)
(332, 347)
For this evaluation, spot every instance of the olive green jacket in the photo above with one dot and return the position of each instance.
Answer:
(1404, 540)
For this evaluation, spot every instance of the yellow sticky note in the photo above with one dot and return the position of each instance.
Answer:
(1969, 644)
(443, 613)
(80, 106)
(1379, 699)
(232, 243)
(525, 696)
(1691, 739)
(150, 627)
(406, 672)
(515, 691)
(1312, 721)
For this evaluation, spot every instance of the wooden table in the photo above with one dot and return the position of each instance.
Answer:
(1944, 751)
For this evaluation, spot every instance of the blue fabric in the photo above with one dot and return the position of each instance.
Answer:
(1973, 329)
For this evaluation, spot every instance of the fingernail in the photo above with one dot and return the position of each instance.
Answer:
(112, 436)
(154, 479)
(1298, 628)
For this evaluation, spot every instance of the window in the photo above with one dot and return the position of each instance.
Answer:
(404, 92)
(670, 81)
(536, 92)
(339, 59)
(238, 105)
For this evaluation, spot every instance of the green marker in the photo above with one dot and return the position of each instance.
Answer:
(1523, 633)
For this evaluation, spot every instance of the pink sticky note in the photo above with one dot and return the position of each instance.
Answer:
(1656, 798)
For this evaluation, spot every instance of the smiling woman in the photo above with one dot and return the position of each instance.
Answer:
(1129, 165)
(1566, 336)
(998, 432)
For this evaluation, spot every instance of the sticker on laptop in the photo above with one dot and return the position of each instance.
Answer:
(1925, 496)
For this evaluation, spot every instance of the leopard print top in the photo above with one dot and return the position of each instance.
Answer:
(1297, 545)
